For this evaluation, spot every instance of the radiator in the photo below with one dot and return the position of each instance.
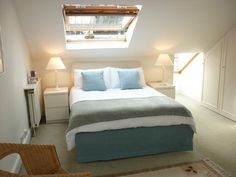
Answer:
(34, 102)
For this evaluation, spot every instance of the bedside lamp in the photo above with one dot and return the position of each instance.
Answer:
(163, 60)
(55, 63)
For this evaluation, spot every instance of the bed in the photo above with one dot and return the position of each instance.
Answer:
(116, 123)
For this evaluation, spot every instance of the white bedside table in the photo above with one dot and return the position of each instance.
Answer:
(165, 88)
(56, 104)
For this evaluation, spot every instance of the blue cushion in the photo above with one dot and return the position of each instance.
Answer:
(129, 79)
(93, 81)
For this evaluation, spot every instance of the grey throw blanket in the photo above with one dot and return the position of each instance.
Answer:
(88, 112)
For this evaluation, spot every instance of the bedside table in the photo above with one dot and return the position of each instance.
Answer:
(56, 104)
(165, 88)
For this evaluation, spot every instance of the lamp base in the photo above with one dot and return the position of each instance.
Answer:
(163, 73)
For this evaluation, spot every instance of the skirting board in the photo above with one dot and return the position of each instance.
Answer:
(228, 115)
(57, 121)
(18, 163)
(222, 112)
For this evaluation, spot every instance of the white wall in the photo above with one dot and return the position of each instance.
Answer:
(13, 110)
(189, 82)
(171, 32)
(179, 26)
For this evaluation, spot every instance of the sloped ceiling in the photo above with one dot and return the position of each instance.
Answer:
(163, 26)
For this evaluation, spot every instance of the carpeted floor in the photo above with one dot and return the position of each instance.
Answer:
(215, 139)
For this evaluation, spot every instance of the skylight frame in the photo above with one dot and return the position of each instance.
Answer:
(120, 35)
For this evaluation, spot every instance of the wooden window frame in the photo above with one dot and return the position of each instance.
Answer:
(97, 10)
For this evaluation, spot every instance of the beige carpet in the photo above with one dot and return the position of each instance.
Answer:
(202, 168)
(215, 139)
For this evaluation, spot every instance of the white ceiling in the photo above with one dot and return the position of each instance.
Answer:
(163, 26)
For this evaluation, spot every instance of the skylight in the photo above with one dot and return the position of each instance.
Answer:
(99, 26)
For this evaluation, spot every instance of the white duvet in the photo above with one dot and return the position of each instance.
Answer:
(77, 95)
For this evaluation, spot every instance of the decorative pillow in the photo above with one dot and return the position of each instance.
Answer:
(129, 79)
(115, 81)
(78, 77)
(93, 81)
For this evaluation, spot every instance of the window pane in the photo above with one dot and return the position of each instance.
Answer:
(71, 20)
(99, 22)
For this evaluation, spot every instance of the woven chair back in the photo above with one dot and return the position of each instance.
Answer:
(37, 159)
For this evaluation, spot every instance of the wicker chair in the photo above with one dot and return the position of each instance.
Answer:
(38, 160)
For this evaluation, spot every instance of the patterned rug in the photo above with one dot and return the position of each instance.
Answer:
(202, 168)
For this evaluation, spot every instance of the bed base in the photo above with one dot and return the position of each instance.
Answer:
(133, 142)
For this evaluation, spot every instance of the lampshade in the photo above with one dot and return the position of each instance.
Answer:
(55, 63)
(163, 60)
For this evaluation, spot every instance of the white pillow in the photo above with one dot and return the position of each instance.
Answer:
(78, 77)
(115, 81)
